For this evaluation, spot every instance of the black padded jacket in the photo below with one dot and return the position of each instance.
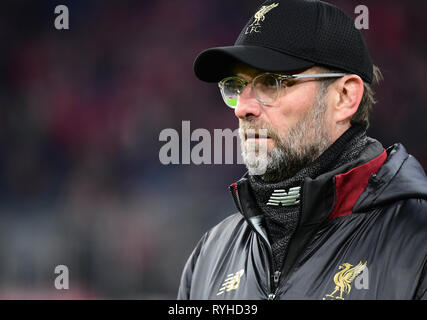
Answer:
(362, 234)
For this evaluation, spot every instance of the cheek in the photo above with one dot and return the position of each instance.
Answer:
(291, 107)
(303, 97)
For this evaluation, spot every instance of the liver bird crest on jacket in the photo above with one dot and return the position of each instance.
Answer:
(344, 278)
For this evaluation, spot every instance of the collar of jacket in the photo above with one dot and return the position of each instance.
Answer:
(330, 195)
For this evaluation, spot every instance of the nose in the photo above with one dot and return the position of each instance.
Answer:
(248, 105)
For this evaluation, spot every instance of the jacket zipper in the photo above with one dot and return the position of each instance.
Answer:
(277, 280)
(274, 285)
(272, 271)
(277, 274)
(273, 282)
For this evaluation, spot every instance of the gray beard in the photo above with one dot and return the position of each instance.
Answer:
(299, 147)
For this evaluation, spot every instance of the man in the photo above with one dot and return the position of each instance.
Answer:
(333, 215)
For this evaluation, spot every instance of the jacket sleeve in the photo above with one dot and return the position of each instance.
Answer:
(184, 291)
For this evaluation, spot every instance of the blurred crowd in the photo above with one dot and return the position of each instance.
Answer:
(81, 110)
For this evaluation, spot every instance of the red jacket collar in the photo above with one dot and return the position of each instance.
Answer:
(350, 185)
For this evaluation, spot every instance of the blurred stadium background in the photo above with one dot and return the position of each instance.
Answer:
(81, 110)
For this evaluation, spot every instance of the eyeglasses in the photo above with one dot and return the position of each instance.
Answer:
(266, 86)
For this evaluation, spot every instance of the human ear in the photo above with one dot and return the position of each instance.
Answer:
(348, 93)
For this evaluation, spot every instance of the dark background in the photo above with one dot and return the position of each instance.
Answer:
(81, 111)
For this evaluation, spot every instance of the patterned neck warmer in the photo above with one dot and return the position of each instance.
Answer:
(281, 221)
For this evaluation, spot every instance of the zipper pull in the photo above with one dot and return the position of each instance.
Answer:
(276, 277)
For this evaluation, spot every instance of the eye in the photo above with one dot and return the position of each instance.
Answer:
(288, 82)
(270, 81)
(234, 84)
(265, 81)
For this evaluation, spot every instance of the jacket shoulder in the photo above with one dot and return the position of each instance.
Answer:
(225, 230)
(414, 208)
(407, 219)
(401, 178)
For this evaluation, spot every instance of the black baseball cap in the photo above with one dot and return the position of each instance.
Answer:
(289, 35)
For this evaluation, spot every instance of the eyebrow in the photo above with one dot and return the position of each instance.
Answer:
(245, 76)
(241, 69)
(244, 69)
(246, 73)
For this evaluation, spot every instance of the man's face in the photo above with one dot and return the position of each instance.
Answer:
(296, 124)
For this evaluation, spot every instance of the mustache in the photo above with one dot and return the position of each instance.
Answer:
(250, 128)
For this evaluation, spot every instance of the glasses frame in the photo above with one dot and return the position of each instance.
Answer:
(279, 80)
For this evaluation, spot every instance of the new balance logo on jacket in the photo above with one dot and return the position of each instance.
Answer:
(281, 198)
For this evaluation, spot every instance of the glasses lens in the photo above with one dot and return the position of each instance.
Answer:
(230, 90)
(266, 88)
